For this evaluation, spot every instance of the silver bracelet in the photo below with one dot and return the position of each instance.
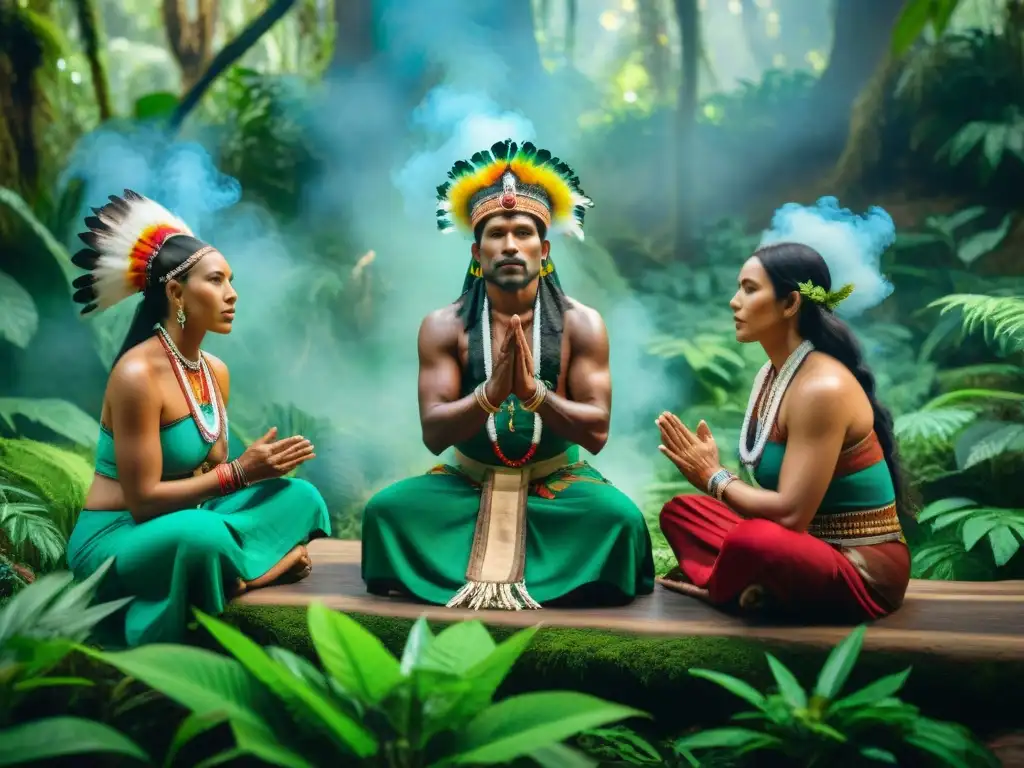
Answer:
(718, 481)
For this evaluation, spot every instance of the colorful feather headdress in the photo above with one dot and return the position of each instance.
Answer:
(123, 239)
(512, 178)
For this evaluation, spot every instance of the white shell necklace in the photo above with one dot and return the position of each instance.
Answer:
(209, 428)
(538, 425)
(751, 455)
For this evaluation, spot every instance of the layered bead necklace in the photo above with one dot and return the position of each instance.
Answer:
(769, 410)
(538, 425)
(193, 375)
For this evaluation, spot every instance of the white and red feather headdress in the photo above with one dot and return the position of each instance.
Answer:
(123, 239)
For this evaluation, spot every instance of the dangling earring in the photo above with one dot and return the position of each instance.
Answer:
(180, 316)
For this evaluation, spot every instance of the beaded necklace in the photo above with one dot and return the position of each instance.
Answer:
(769, 410)
(207, 416)
(538, 425)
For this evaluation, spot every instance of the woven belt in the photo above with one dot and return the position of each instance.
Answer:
(495, 575)
(858, 528)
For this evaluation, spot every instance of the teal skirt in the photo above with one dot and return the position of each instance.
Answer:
(193, 556)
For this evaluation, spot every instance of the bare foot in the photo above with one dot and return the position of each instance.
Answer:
(294, 566)
(752, 598)
(684, 588)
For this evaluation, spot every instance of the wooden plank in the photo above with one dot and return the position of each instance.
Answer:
(970, 620)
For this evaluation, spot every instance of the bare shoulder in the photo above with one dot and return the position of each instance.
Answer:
(441, 327)
(584, 325)
(823, 386)
(135, 370)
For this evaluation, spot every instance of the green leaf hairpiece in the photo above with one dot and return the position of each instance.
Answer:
(828, 299)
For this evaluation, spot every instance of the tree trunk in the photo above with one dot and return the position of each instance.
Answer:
(191, 40)
(90, 28)
(860, 43)
(228, 55)
(863, 151)
(686, 121)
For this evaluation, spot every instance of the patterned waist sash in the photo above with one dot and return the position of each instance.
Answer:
(497, 561)
(857, 528)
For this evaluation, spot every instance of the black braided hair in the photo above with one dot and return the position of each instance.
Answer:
(788, 264)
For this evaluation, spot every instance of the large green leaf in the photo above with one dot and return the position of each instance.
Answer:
(911, 23)
(789, 687)
(60, 416)
(520, 725)
(294, 690)
(454, 702)
(562, 756)
(202, 681)
(156, 105)
(52, 608)
(727, 738)
(733, 685)
(1004, 545)
(40, 740)
(974, 247)
(13, 201)
(190, 727)
(839, 664)
(353, 656)
(872, 693)
(416, 645)
(264, 745)
(19, 319)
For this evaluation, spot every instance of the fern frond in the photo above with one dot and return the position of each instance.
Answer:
(933, 425)
(1000, 318)
(981, 397)
(1008, 438)
(1004, 528)
(26, 525)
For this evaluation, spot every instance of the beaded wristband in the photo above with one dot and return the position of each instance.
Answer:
(720, 490)
(480, 394)
(538, 398)
(718, 481)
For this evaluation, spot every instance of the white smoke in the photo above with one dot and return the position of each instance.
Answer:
(851, 245)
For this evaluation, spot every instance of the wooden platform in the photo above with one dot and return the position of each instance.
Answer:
(970, 620)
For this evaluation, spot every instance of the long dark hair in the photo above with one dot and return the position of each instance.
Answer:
(788, 264)
(154, 306)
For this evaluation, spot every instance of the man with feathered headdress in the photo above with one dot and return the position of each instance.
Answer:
(514, 375)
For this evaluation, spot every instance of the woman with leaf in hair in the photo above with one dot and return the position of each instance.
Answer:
(185, 523)
(816, 535)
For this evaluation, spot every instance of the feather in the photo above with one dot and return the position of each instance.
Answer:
(124, 235)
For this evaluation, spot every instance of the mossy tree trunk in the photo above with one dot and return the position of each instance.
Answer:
(862, 155)
(862, 31)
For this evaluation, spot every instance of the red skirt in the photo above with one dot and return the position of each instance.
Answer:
(725, 554)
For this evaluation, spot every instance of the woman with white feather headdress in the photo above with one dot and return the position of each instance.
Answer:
(186, 524)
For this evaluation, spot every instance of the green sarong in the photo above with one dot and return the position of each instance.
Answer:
(453, 535)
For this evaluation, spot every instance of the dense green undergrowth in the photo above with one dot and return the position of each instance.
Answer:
(651, 672)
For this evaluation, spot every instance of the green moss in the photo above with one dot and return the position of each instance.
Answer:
(651, 673)
(59, 476)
